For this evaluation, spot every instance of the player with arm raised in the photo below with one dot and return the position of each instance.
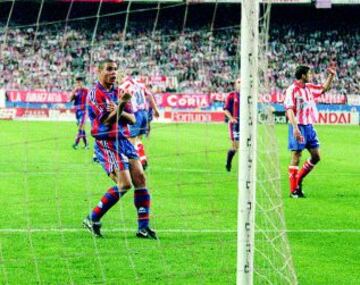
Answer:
(302, 114)
(79, 95)
(232, 112)
(110, 113)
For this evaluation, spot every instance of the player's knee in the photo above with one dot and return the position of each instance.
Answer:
(296, 158)
(125, 186)
(315, 159)
(140, 180)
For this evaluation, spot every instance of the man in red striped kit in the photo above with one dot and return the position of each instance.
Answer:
(302, 114)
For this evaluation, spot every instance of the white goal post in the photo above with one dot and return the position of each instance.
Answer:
(247, 151)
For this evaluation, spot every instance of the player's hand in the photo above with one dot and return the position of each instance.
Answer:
(298, 136)
(126, 97)
(233, 120)
(111, 107)
(331, 71)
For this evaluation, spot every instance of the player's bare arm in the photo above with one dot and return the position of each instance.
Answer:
(230, 117)
(329, 79)
(128, 117)
(297, 134)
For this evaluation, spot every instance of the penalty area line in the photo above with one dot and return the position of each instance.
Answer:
(185, 231)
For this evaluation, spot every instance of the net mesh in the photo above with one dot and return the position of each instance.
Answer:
(194, 205)
(273, 260)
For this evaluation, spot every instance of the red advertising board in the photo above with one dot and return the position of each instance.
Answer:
(338, 118)
(185, 101)
(32, 113)
(35, 96)
(36, 114)
(194, 117)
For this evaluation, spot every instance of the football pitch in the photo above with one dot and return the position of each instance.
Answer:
(47, 188)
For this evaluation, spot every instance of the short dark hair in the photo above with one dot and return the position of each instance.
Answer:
(105, 61)
(79, 78)
(300, 70)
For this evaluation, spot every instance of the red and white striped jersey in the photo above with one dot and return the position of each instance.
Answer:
(300, 98)
(138, 91)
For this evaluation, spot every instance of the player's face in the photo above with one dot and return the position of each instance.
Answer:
(107, 75)
(307, 77)
(79, 83)
(237, 84)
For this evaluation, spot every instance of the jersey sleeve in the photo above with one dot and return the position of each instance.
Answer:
(315, 89)
(97, 105)
(289, 102)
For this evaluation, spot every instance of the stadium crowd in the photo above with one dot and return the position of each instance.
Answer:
(199, 60)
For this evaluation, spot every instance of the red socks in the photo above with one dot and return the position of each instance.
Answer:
(141, 152)
(307, 167)
(296, 176)
(293, 171)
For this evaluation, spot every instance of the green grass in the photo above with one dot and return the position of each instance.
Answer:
(46, 189)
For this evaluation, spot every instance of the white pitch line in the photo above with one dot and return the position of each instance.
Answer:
(194, 231)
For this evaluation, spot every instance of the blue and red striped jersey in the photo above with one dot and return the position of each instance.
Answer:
(98, 100)
(80, 99)
(232, 104)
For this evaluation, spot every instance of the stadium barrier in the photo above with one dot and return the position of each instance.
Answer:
(176, 107)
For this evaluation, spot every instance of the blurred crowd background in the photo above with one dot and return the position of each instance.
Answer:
(195, 56)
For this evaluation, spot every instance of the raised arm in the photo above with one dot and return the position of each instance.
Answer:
(328, 82)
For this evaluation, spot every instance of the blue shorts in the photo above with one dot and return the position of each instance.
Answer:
(310, 138)
(80, 117)
(114, 154)
(141, 125)
(234, 131)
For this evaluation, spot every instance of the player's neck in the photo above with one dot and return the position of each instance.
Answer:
(301, 82)
(107, 86)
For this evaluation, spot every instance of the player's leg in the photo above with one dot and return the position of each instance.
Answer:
(142, 200)
(313, 146)
(296, 149)
(109, 199)
(117, 167)
(141, 152)
(82, 130)
(293, 171)
(79, 133)
(136, 132)
(143, 128)
(308, 165)
(113, 195)
(234, 137)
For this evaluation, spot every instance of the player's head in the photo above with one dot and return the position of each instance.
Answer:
(107, 69)
(303, 73)
(237, 84)
(79, 81)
